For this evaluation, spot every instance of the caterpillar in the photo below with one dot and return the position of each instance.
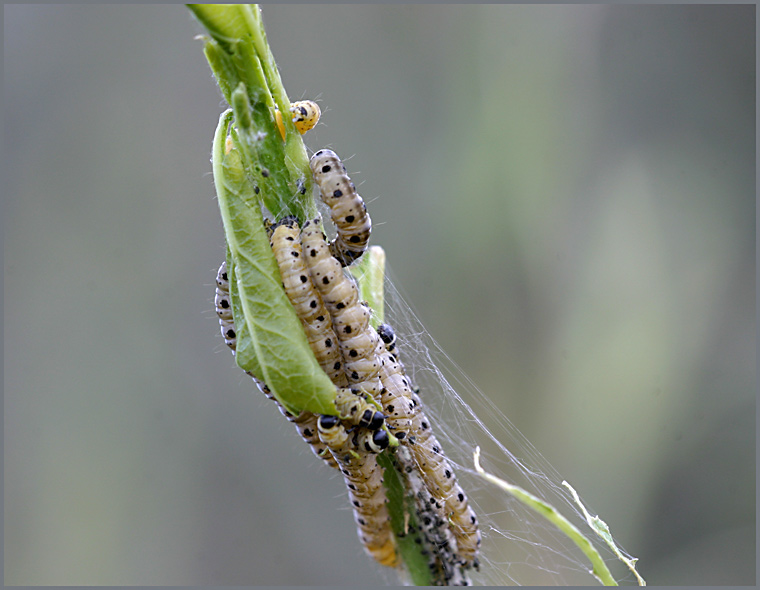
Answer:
(357, 340)
(305, 422)
(347, 209)
(286, 246)
(223, 307)
(396, 394)
(402, 404)
(306, 114)
(364, 479)
(441, 481)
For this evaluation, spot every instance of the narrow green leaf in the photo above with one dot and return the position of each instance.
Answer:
(241, 328)
(603, 531)
(402, 513)
(550, 513)
(222, 67)
(369, 272)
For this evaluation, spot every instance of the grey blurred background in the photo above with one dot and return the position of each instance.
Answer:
(566, 194)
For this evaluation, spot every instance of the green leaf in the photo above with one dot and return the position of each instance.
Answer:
(271, 341)
(402, 514)
(603, 531)
(369, 272)
(225, 22)
(550, 513)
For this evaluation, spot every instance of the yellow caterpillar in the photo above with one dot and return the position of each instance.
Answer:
(306, 114)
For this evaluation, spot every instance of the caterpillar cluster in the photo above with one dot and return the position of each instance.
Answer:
(373, 394)
(435, 536)
(286, 246)
(403, 404)
(440, 480)
(350, 316)
(369, 360)
(331, 314)
(352, 406)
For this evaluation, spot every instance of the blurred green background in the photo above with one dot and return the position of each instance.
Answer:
(566, 194)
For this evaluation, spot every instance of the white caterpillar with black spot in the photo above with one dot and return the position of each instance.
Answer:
(396, 394)
(364, 479)
(347, 209)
